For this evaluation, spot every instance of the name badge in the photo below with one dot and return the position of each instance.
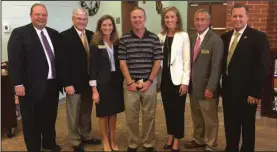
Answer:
(102, 47)
(205, 51)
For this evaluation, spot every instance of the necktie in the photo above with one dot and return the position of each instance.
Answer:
(232, 49)
(196, 48)
(85, 43)
(49, 53)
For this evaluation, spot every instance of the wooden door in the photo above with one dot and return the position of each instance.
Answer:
(218, 16)
(126, 7)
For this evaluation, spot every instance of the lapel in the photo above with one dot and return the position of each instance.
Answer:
(177, 42)
(242, 39)
(77, 38)
(241, 42)
(193, 40)
(204, 42)
(36, 41)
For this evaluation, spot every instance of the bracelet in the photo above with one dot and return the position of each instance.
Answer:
(150, 80)
(130, 83)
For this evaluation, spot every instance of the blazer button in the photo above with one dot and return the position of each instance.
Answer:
(170, 64)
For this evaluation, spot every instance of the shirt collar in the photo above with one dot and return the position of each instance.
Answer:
(39, 31)
(80, 32)
(146, 33)
(202, 35)
(241, 31)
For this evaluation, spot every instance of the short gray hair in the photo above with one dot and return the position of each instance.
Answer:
(77, 10)
(203, 11)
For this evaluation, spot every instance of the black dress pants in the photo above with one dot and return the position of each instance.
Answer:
(239, 119)
(174, 106)
(39, 118)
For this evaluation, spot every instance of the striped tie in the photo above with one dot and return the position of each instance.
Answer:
(232, 49)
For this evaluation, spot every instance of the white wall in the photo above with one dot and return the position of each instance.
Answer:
(60, 13)
(15, 13)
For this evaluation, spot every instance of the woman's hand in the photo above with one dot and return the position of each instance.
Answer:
(95, 96)
(183, 89)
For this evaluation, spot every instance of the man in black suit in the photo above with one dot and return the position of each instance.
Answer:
(246, 63)
(73, 66)
(31, 55)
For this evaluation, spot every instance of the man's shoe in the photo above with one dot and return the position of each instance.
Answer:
(150, 149)
(78, 148)
(92, 141)
(55, 148)
(193, 144)
(131, 149)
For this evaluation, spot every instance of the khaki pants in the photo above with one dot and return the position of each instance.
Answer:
(147, 101)
(78, 109)
(205, 120)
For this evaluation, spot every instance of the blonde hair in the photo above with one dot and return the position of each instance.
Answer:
(98, 35)
(179, 24)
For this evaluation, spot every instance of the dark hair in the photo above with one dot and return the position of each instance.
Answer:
(98, 35)
(138, 8)
(34, 5)
(179, 24)
(240, 6)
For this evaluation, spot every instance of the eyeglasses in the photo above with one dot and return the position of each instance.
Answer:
(81, 19)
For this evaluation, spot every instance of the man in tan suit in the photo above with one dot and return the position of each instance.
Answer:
(206, 55)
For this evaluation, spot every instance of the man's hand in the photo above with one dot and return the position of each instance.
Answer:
(145, 86)
(183, 89)
(252, 100)
(70, 90)
(95, 97)
(208, 94)
(132, 87)
(19, 90)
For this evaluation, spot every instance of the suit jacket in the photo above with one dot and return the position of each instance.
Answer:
(180, 58)
(72, 60)
(27, 60)
(206, 69)
(248, 67)
(100, 66)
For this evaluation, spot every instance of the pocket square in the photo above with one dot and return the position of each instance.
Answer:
(101, 47)
(205, 51)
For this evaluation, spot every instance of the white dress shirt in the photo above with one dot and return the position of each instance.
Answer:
(202, 36)
(50, 75)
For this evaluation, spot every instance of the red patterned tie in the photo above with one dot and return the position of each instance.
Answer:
(195, 53)
(196, 48)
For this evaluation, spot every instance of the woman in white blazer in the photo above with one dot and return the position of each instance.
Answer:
(174, 74)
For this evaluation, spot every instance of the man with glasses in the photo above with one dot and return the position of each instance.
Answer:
(73, 64)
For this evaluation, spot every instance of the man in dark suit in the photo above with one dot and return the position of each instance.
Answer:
(73, 66)
(31, 55)
(246, 63)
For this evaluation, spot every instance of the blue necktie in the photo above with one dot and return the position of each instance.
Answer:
(49, 53)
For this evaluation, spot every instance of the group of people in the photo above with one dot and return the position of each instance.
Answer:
(125, 74)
